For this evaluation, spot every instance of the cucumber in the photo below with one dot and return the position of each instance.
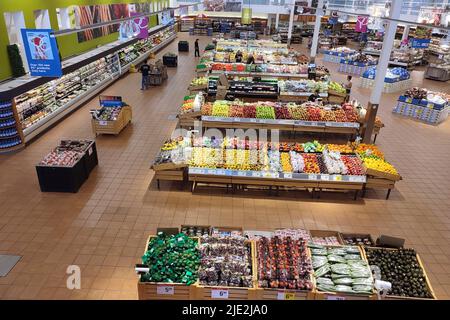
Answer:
(319, 252)
(345, 281)
(322, 270)
(324, 281)
(340, 268)
(336, 259)
(325, 288)
(343, 288)
(352, 257)
(319, 261)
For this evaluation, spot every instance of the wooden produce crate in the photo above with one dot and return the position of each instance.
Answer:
(168, 166)
(335, 93)
(326, 233)
(196, 226)
(163, 290)
(381, 174)
(230, 293)
(428, 283)
(170, 175)
(357, 235)
(282, 294)
(319, 295)
(194, 89)
(227, 230)
(113, 127)
(335, 99)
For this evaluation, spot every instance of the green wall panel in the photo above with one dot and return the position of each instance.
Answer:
(68, 45)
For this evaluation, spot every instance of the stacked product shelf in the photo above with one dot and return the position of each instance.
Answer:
(10, 135)
(397, 79)
(335, 55)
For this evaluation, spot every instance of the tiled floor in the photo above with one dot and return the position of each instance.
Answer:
(103, 228)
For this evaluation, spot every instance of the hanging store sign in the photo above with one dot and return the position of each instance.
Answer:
(42, 52)
(420, 43)
(246, 16)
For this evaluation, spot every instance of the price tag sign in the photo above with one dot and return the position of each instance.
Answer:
(166, 290)
(253, 120)
(237, 119)
(242, 173)
(256, 174)
(281, 295)
(430, 105)
(337, 177)
(219, 294)
(288, 175)
(221, 172)
(312, 177)
(325, 177)
(103, 123)
(89, 151)
(335, 298)
(408, 100)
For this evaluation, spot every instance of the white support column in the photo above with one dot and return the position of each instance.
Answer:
(382, 66)
(315, 39)
(405, 33)
(277, 20)
(291, 22)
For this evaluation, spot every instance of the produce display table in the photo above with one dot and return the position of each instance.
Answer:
(333, 56)
(270, 179)
(367, 255)
(355, 68)
(288, 125)
(421, 110)
(297, 96)
(113, 126)
(53, 178)
(380, 180)
(389, 87)
(435, 73)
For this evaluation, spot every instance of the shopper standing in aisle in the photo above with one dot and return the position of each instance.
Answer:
(197, 49)
(239, 56)
(145, 70)
(348, 88)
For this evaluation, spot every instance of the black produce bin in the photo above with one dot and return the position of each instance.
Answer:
(62, 179)
(170, 61)
(68, 179)
(90, 159)
(183, 46)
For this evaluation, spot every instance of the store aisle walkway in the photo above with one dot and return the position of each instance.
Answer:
(103, 228)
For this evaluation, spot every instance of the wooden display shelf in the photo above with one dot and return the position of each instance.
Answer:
(327, 233)
(195, 89)
(335, 93)
(427, 280)
(319, 295)
(384, 175)
(164, 290)
(115, 126)
(168, 166)
(204, 292)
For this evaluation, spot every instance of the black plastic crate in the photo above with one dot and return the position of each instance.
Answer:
(183, 46)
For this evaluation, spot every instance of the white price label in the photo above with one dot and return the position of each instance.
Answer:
(337, 177)
(325, 177)
(89, 151)
(103, 123)
(253, 120)
(335, 298)
(288, 175)
(219, 294)
(242, 173)
(237, 119)
(221, 172)
(256, 174)
(167, 290)
(312, 177)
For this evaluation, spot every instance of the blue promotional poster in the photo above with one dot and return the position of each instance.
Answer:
(42, 52)
(420, 43)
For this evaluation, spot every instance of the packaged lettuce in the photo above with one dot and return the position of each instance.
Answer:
(343, 288)
(337, 251)
(363, 282)
(362, 289)
(324, 281)
(352, 257)
(345, 281)
(340, 268)
(326, 288)
(319, 252)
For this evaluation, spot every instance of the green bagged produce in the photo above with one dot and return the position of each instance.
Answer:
(352, 250)
(363, 282)
(319, 252)
(324, 281)
(340, 268)
(319, 261)
(312, 245)
(352, 257)
(336, 259)
(335, 276)
(326, 288)
(322, 270)
(337, 251)
(344, 281)
(363, 289)
(343, 288)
